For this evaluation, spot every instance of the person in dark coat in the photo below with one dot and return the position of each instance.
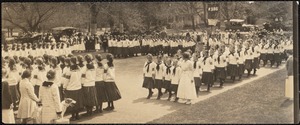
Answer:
(7, 102)
(105, 43)
(87, 40)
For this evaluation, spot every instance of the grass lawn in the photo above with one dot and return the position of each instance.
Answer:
(261, 101)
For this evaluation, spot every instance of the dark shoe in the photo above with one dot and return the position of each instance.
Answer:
(107, 109)
(112, 108)
(72, 119)
(159, 95)
(176, 100)
(77, 118)
(149, 96)
(85, 114)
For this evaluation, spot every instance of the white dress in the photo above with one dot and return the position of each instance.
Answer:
(186, 88)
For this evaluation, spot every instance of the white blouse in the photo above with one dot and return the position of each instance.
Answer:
(175, 77)
(159, 74)
(151, 69)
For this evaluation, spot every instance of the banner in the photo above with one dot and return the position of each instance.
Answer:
(212, 22)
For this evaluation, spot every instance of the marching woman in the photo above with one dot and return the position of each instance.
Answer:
(131, 48)
(232, 67)
(166, 46)
(125, 47)
(256, 56)
(111, 90)
(159, 74)
(263, 54)
(54, 64)
(197, 72)
(241, 63)
(72, 88)
(176, 73)
(119, 48)
(149, 75)
(136, 46)
(277, 58)
(29, 100)
(270, 54)
(167, 77)
(152, 47)
(89, 89)
(186, 87)
(110, 45)
(248, 61)
(97, 45)
(40, 75)
(174, 47)
(220, 68)
(49, 95)
(13, 78)
(99, 84)
(208, 67)
(7, 102)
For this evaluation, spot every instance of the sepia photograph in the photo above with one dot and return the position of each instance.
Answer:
(165, 62)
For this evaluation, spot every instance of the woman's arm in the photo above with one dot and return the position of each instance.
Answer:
(56, 99)
(30, 92)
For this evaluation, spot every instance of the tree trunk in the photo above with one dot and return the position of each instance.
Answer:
(193, 22)
(205, 13)
(94, 14)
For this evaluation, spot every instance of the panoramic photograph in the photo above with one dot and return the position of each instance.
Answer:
(205, 62)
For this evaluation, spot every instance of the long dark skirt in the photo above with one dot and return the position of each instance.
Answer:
(174, 87)
(15, 95)
(283, 55)
(277, 57)
(248, 64)
(221, 73)
(147, 49)
(130, 50)
(110, 49)
(160, 48)
(77, 96)
(207, 78)
(112, 92)
(100, 89)
(167, 84)
(270, 56)
(152, 50)
(173, 50)
(136, 49)
(61, 94)
(263, 56)
(180, 47)
(255, 63)
(158, 83)
(241, 69)
(124, 51)
(143, 49)
(90, 96)
(148, 83)
(232, 70)
(36, 90)
(119, 50)
(113, 50)
(197, 81)
(166, 49)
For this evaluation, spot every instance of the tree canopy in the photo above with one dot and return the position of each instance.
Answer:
(31, 17)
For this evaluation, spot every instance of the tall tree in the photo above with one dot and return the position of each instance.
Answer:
(28, 16)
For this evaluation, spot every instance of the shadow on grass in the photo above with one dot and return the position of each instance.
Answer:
(162, 102)
(287, 103)
(86, 118)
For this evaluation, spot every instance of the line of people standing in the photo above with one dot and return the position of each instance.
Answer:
(46, 81)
